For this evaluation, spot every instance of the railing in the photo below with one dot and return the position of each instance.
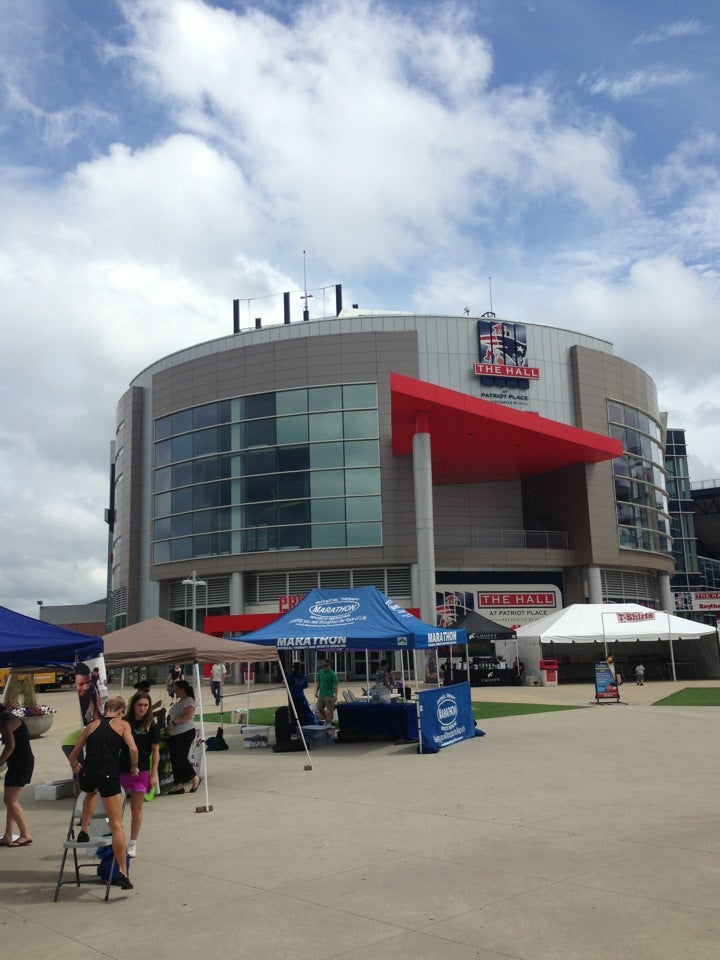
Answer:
(508, 539)
(705, 484)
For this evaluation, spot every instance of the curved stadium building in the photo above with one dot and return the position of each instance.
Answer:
(456, 463)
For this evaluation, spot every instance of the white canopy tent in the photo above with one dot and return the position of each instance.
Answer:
(605, 623)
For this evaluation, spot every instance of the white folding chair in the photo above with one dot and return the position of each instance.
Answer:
(99, 837)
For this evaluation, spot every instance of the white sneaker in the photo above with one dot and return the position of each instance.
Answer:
(132, 848)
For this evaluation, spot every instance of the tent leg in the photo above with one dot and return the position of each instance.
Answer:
(202, 768)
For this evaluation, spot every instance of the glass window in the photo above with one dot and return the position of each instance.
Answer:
(361, 423)
(204, 442)
(327, 483)
(291, 401)
(326, 455)
(182, 500)
(292, 429)
(205, 416)
(359, 482)
(260, 433)
(293, 485)
(260, 461)
(161, 552)
(204, 521)
(616, 413)
(259, 405)
(362, 453)
(294, 458)
(183, 474)
(182, 525)
(326, 426)
(359, 395)
(161, 529)
(364, 535)
(261, 515)
(203, 546)
(163, 479)
(328, 535)
(333, 508)
(325, 398)
(182, 422)
(363, 508)
(294, 511)
(205, 470)
(163, 428)
(182, 447)
(258, 489)
(293, 538)
(162, 505)
(181, 549)
(163, 453)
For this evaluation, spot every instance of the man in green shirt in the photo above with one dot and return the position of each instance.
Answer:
(326, 691)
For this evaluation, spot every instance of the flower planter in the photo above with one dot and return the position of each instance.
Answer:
(37, 726)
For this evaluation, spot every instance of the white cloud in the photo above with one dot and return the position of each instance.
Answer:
(638, 83)
(670, 31)
(380, 142)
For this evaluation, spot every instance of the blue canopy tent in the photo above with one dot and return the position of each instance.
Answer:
(28, 644)
(354, 619)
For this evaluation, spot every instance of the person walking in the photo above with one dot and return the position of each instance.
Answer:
(640, 675)
(326, 692)
(146, 735)
(99, 772)
(173, 676)
(217, 678)
(20, 765)
(181, 733)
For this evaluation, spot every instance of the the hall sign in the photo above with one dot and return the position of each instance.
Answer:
(502, 353)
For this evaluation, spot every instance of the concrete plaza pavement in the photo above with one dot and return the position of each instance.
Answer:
(580, 834)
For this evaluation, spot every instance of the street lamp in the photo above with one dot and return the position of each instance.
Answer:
(193, 582)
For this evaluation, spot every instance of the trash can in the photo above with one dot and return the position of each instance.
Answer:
(548, 673)
(248, 673)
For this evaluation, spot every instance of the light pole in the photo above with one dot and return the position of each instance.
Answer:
(193, 582)
(40, 606)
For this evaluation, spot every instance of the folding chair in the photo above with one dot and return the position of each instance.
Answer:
(99, 837)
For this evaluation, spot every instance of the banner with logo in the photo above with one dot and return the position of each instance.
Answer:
(606, 687)
(445, 717)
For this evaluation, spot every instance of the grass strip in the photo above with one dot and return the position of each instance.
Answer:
(692, 697)
(265, 716)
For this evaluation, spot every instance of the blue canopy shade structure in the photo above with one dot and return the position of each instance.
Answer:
(26, 643)
(352, 619)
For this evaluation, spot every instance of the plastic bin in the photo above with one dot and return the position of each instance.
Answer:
(548, 673)
(254, 737)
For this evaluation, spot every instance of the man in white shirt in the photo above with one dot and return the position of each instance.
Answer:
(217, 675)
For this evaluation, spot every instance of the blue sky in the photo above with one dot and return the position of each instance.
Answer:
(159, 158)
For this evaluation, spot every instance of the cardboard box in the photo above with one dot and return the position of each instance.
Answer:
(54, 790)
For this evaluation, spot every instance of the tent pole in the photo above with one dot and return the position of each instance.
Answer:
(297, 718)
(672, 652)
(203, 756)
(416, 661)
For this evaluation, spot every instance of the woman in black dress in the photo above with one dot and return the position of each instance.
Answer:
(20, 763)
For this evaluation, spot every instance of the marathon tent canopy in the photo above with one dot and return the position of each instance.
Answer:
(352, 619)
(27, 643)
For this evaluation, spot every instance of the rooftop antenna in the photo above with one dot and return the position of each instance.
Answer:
(306, 296)
(490, 288)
